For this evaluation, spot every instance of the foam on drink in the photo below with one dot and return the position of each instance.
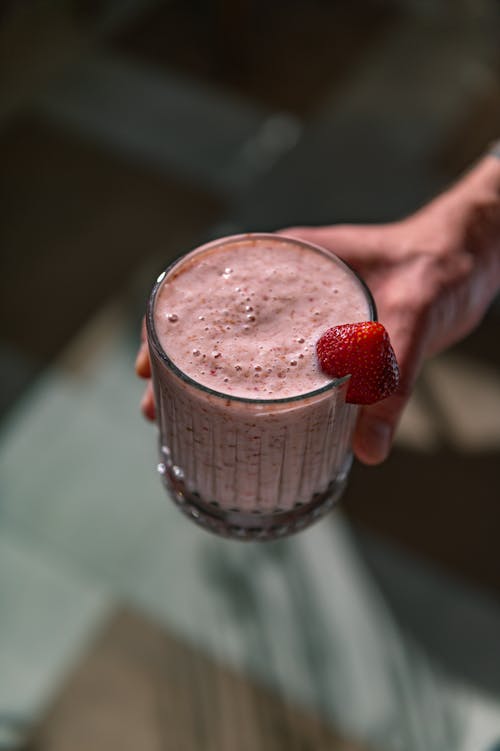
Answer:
(244, 319)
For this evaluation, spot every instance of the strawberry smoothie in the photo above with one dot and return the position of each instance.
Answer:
(254, 437)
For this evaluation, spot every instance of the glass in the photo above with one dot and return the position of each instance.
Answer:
(250, 468)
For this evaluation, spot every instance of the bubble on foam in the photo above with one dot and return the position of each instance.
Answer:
(173, 317)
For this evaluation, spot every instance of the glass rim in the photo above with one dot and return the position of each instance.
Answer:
(153, 340)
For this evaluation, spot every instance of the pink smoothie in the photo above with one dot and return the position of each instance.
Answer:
(250, 426)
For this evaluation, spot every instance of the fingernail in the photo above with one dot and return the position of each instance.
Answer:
(376, 440)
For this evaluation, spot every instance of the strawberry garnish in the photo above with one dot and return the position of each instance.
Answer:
(363, 351)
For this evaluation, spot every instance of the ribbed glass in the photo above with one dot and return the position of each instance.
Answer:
(250, 468)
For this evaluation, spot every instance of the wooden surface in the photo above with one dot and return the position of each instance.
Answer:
(141, 688)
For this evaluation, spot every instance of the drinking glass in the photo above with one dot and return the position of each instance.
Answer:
(250, 468)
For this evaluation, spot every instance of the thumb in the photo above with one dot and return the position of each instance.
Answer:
(375, 428)
(377, 423)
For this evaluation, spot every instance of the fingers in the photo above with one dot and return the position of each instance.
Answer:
(148, 403)
(375, 428)
(327, 237)
(352, 242)
(142, 362)
(377, 423)
(143, 369)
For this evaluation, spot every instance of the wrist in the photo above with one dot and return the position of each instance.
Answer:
(471, 210)
(481, 184)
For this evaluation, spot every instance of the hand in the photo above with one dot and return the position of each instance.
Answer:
(143, 370)
(432, 275)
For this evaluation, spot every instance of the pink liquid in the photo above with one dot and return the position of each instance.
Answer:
(250, 426)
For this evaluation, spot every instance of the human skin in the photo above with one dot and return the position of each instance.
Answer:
(433, 275)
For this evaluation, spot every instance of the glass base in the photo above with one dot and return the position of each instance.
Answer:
(244, 525)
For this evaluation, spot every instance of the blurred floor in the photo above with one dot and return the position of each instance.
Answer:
(135, 130)
(128, 665)
(85, 530)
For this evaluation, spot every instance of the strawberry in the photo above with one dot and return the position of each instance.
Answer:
(363, 351)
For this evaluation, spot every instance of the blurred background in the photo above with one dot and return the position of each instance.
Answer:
(129, 133)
